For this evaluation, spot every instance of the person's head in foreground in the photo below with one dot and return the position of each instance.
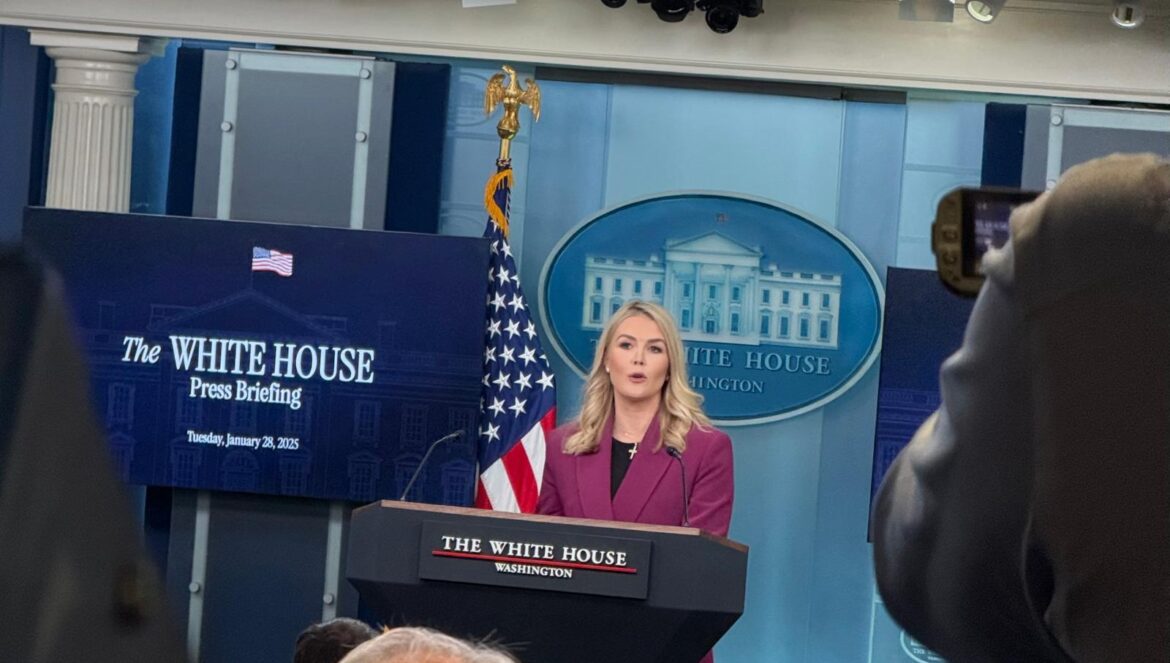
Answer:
(329, 642)
(413, 644)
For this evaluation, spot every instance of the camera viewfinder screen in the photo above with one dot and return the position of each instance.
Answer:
(985, 223)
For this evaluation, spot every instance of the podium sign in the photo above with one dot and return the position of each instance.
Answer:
(518, 557)
(455, 569)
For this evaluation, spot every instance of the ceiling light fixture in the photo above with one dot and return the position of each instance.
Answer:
(984, 11)
(1128, 15)
(672, 11)
(722, 15)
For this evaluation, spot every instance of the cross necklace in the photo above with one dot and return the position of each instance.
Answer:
(634, 449)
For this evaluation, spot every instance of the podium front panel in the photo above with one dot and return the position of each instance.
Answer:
(695, 586)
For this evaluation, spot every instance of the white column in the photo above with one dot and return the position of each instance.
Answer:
(93, 117)
(725, 326)
(750, 304)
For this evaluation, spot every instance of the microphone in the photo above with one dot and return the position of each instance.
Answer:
(674, 453)
(423, 463)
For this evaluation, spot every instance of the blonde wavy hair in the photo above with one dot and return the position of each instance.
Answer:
(681, 406)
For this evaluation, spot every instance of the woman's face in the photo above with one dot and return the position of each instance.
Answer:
(636, 360)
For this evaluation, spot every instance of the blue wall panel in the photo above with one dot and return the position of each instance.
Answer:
(841, 610)
(783, 148)
(416, 146)
(18, 110)
(802, 484)
(944, 150)
(775, 513)
(153, 113)
(566, 184)
(1003, 144)
(874, 171)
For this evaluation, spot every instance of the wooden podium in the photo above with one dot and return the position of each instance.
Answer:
(555, 590)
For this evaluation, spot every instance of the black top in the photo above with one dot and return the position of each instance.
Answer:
(620, 463)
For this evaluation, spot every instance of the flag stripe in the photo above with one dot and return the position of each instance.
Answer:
(536, 445)
(497, 488)
(482, 501)
(520, 473)
(266, 267)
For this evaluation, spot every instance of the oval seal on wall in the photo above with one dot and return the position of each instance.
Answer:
(779, 313)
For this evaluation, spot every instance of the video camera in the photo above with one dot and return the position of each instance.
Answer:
(970, 221)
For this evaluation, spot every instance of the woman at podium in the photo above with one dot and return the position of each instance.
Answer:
(642, 450)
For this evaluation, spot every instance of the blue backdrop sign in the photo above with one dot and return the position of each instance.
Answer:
(924, 325)
(780, 314)
(259, 357)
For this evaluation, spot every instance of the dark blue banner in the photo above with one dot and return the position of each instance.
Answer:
(278, 359)
(924, 325)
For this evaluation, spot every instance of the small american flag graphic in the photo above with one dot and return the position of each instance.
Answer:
(271, 260)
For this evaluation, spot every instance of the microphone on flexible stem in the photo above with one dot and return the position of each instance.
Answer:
(675, 454)
(423, 463)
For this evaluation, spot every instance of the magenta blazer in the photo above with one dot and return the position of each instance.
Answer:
(651, 493)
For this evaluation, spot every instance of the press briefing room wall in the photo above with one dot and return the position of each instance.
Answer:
(872, 169)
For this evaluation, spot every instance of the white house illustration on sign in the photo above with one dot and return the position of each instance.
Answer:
(719, 292)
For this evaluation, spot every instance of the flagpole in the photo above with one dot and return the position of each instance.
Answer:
(515, 416)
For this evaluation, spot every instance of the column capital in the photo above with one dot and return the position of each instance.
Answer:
(98, 41)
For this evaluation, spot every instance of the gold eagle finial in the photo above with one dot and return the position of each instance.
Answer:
(513, 97)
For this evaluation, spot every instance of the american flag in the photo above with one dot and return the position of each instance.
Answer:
(271, 260)
(518, 408)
